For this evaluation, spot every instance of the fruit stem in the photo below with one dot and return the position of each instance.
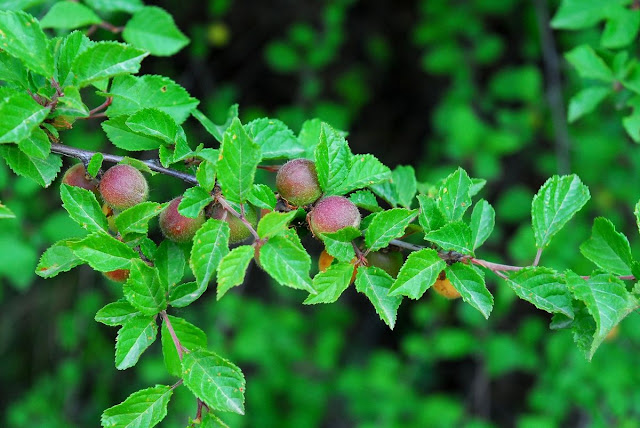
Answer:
(176, 342)
(222, 201)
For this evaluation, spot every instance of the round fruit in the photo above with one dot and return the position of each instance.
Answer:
(118, 275)
(238, 231)
(77, 176)
(177, 227)
(324, 261)
(389, 261)
(123, 186)
(443, 287)
(297, 182)
(332, 214)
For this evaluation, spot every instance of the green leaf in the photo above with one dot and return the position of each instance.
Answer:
(206, 175)
(309, 136)
(217, 382)
(170, 262)
(106, 59)
(274, 222)
(69, 15)
(239, 158)
(190, 337)
(483, 219)
(154, 30)
(233, 268)
(21, 115)
(636, 213)
(365, 200)
(131, 94)
(58, 258)
(405, 183)
(144, 290)
(286, 261)
(116, 313)
(22, 37)
(387, 192)
(210, 245)
(331, 283)
(365, 171)
(103, 252)
(607, 300)
(559, 199)
(332, 158)
(262, 196)
(338, 244)
(588, 64)
(456, 236)
(68, 50)
(586, 101)
(71, 104)
(36, 145)
(42, 171)
(125, 138)
(430, 217)
(470, 284)
(83, 208)
(209, 420)
(135, 220)
(621, 28)
(142, 409)
(13, 70)
(275, 139)
(95, 164)
(375, 284)
(5, 212)
(578, 14)
(453, 197)
(419, 272)
(193, 201)
(386, 226)
(130, 6)
(544, 288)
(608, 248)
(134, 337)
(154, 123)
(185, 294)
(217, 131)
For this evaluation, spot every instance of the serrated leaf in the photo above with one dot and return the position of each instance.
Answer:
(13, 70)
(483, 220)
(116, 313)
(125, 138)
(134, 337)
(210, 245)
(375, 283)
(233, 268)
(366, 200)
(209, 420)
(273, 223)
(388, 225)
(405, 183)
(154, 30)
(217, 131)
(68, 50)
(589, 64)
(239, 158)
(135, 220)
(206, 175)
(56, 259)
(470, 284)
(332, 158)
(42, 171)
(309, 136)
(21, 115)
(338, 244)
(142, 409)
(453, 197)
(286, 261)
(386, 191)
(419, 272)
(69, 15)
(103, 252)
(185, 294)
(106, 59)
(331, 283)
(71, 104)
(144, 290)
(586, 101)
(544, 288)
(36, 145)
(170, 262)
(430, 217)
(95, 164)
(365, 170)
(608, 248)
(154, 123)
(217, 382)
(190, 337)
(559, 199)
(454, 236)
(131, 94)
(193, 201)
(275, 139)
(130, 6)
(262, 196)
(83, 208)
(22, 37)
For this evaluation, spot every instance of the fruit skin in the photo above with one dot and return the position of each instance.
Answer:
(332, 214)
(443, 287)
(77, 176)
(238, 231)
(123, 186)
(177, 227)
(389, 261)
(297, 182)
(118, 275)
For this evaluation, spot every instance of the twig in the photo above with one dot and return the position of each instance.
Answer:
(177, 384)
(406, 245)
(94, 113)
(537, 259)
(222, 201)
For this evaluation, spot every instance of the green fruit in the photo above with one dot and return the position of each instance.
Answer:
(123, 186)
(332, 214)
(238, 231)
(297, 182)
(177, 227)
(77, 176)
(389, 261)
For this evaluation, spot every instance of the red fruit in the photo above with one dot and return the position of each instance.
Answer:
(297, 182)
(238, 231)
(177, 227)
(332, 214)
(123, 186)
(77, 176)
(118, 275)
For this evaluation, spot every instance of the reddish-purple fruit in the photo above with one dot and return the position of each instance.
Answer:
(238, 231)
(118, 275)
(77, 176)
(297, 182)
(123, 186)
(332, 214)
(177, 227)
(389, 261)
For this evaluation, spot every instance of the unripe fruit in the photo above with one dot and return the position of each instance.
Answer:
(238, 231)
(297, 182)
(77, 176)
(177, 227)
(118, 275)
(332, 214)
(443, 287)
(123, 186)
(390, 261)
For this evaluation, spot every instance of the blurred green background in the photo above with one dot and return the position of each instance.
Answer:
(433, 84)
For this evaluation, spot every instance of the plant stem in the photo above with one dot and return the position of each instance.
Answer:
(222, 201)
(176, 341)
(537, 259)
